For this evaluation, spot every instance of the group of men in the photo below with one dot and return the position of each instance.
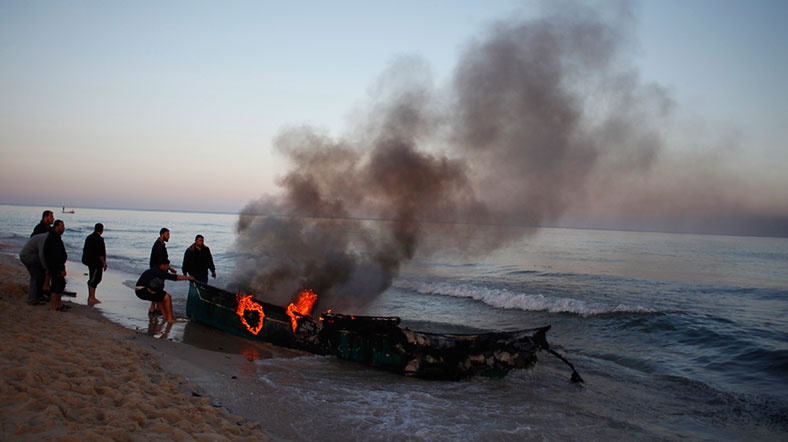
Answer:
(44, 255)
(197, 261)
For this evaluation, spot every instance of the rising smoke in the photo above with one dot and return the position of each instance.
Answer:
(535, 108)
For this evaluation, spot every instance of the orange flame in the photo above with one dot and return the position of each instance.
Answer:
(306, 300)
(245, 303)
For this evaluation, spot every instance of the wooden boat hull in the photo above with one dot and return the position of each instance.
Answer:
(380, 342)
(375, 341)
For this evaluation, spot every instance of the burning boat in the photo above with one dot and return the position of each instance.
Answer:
(245, 316)
(372, 340)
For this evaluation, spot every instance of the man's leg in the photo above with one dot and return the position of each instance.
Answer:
(56, 290)
(93, 282)
(46, 286)
(167, 308)
(92, 296)
(40, 283)
(54, 300)
(32, 294)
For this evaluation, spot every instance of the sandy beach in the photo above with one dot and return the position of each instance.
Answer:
(76, 376)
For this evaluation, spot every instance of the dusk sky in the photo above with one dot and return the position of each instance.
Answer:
(176, 105)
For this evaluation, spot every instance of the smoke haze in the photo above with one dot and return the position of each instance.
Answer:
(542, 117)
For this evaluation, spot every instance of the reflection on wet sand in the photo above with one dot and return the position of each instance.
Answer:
(159, 328)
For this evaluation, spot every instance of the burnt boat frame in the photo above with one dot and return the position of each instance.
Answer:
(380, 342)
(375, 341)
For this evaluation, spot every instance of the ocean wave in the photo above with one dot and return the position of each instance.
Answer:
(13, 239)
(507, 299)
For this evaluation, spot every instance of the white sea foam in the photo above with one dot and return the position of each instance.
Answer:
(507, 299)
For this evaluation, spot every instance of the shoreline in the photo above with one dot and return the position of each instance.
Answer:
(77, 375)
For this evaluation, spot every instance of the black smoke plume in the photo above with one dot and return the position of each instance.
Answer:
(534, 108)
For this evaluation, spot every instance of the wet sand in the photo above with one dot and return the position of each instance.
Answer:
(76, 376)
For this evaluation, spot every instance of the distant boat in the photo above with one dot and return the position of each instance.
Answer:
(68, 211)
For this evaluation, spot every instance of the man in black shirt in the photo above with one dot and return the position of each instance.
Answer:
(158, 254)
(94, 255)
(150, 287)
(197, 260)
(55, 256)
(45, 226)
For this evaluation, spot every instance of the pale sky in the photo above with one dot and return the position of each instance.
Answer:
(175, 104)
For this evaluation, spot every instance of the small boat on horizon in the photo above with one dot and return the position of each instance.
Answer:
(68, 211)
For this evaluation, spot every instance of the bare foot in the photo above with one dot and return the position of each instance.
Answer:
(93, 301)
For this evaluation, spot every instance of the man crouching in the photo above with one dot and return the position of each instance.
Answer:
(150, 287)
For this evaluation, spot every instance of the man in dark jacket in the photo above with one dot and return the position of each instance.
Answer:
(94, 255)
(55, 256)
(197, 260)
(158, 254)
(45, 226)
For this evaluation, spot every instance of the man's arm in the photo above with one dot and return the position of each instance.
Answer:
(41, 256)
(210, 263)
(103, 254)
(186, 267)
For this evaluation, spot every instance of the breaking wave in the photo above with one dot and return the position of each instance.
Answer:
(507, 299)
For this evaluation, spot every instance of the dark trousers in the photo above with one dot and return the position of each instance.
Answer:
(95, 274)
(58, 284)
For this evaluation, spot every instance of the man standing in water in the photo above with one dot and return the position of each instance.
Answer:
(158, 254)
(197, 260)
(56, 256)
(94, 255)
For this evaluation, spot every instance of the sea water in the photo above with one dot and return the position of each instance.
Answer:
(677, 336)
